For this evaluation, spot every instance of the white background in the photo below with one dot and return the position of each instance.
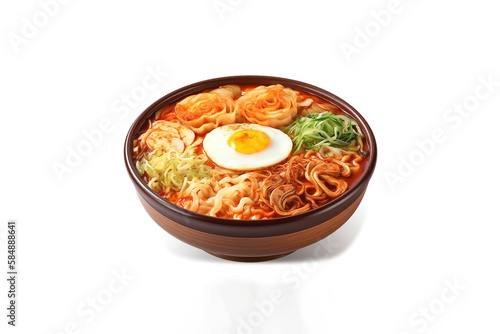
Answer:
(437, 225)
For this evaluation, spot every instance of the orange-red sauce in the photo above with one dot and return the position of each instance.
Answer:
(168, 114)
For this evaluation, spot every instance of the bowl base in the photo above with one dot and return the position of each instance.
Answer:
(250, 259)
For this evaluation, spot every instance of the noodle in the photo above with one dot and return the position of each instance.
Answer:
(172, 161)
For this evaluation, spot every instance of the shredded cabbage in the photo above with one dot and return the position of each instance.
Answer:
(174, 170)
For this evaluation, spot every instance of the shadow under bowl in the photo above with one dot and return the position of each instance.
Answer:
(250, 240)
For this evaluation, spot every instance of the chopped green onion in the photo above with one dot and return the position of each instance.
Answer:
(317, 129)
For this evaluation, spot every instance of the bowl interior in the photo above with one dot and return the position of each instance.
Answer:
(201, 86)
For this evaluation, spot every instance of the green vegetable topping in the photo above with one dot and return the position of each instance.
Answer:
(174, 170)
(317, 129)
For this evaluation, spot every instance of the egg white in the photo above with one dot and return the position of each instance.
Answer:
(217, 148)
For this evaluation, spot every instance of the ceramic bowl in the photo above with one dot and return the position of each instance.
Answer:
(249, 240)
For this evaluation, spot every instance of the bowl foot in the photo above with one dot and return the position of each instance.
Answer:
(249, 259)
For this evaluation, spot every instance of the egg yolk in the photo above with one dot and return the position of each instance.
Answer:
(249, 141)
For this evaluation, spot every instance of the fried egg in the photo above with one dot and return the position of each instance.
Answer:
(247, 146)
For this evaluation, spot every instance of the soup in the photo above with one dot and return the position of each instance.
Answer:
(251, 152)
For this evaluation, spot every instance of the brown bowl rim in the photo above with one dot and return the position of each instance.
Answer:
(201, 86)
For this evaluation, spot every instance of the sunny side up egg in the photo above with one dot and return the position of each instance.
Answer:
(247, 146)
